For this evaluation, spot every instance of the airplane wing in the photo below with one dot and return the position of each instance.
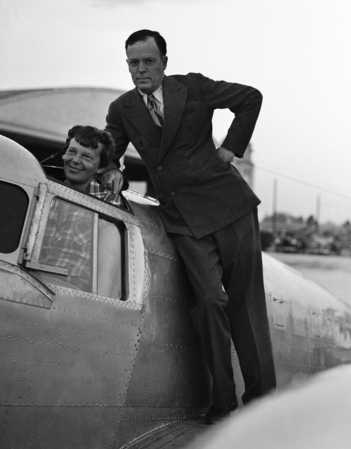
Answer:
(314, 415)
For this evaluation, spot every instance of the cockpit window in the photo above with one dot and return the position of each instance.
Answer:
(81, 249)
(14, 204)
(68, 242)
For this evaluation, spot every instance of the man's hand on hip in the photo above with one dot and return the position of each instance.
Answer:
(225, 155)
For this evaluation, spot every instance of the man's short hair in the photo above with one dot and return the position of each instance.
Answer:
(142, 35)
(89, 136)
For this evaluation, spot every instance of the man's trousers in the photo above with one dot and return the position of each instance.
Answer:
(225, 271)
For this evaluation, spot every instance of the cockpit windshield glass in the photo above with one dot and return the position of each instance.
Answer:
(82, 250)
(14, 204)
(68, 243)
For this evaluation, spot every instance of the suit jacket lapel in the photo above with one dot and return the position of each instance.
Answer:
(174, 97)
(138, 115)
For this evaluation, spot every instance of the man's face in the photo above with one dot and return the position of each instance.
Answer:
(146, 65)
(81, 163)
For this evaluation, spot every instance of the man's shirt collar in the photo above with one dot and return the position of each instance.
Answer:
(158, 94)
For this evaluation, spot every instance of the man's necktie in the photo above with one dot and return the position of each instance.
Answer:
(154, 108)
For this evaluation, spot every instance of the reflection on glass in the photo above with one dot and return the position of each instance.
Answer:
(68, 243)
(109, 260)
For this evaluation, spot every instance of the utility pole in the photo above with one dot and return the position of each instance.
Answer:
(318, 209)
(274, 212)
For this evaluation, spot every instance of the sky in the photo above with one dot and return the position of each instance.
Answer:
(294, 52)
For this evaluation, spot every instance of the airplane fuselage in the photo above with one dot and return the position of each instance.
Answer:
(88, 365)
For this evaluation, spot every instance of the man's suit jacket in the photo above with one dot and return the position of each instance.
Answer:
(198, 192)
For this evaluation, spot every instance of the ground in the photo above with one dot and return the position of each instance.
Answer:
(331, 272)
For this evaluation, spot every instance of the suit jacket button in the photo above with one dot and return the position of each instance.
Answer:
(159, 167)
(172, 193)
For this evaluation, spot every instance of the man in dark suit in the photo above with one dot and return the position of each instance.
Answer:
(207, 208)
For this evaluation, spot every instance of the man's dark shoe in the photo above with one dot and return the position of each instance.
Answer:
(215, 414)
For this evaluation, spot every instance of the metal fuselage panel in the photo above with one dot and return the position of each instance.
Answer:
(169, 379)
(310, 328)
(64, 371)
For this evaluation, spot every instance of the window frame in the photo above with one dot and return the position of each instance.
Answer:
(15, 257)
(133, 257)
